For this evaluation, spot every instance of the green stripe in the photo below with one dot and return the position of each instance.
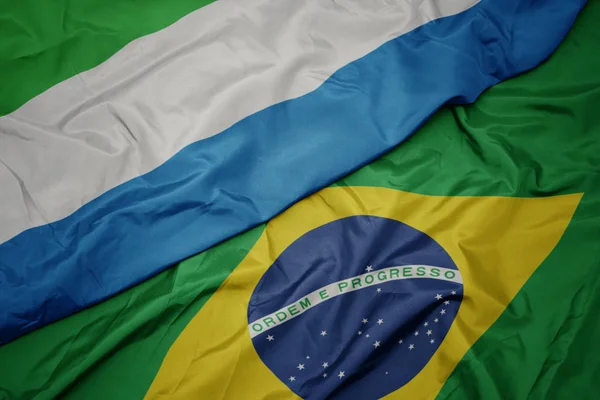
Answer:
(536, 135)
(45, 42)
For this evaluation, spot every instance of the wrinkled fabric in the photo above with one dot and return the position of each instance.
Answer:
(535, 135)
(225, 184)
(382, 336)
(45, 43)
(168, 90)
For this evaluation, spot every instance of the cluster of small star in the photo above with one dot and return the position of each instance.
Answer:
(410, 341)
(426, 326)
(325, 365)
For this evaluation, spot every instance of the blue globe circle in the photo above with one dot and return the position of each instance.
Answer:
(368, 338)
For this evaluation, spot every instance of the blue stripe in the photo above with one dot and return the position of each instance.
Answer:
(221, 186)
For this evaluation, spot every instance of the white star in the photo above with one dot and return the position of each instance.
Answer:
(400, 341)
(308, 357)
(378, 290)
(341, 374)
(453, 292)
(369, 268)
(429, 332)
(436, 320)
(368, 335)
(438, 296)
(364, 321)
(300, 366)
(426, 323)
(412, 346)
(443, 311)
(270, 338)
(377, 343)
(324, 375)
(325, 365)
(416, 333)
(431, 341)
(323, 333)
(386, 372)
(447, 302)
(292, 378)
(359, 333)
(379, 321)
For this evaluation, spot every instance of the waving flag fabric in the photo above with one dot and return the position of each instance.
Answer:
(480, 233)
(218, 122)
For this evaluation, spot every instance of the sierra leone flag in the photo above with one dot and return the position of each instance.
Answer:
(282, 199)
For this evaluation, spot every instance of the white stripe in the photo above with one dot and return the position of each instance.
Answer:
(345, 286)
(187, 82)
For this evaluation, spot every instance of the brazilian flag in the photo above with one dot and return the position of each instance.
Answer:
(463, 264)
